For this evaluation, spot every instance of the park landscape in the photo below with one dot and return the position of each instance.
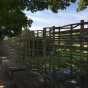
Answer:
(54, 57)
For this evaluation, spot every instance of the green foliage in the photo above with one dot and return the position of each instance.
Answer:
(12, 18)
(76, 59)
(54, 5)
(82, 5)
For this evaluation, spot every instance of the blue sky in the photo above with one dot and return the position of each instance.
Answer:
(47, 18)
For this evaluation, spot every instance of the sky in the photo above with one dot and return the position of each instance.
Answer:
(47, 18)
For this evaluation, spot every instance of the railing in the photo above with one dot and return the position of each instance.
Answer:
(69, 42)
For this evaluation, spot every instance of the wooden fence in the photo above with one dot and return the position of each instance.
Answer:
(64, 41)
(46, 42)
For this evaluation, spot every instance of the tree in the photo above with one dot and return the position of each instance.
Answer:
(82, 5)
(13, 19)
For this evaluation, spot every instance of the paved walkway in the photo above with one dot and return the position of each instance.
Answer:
(3, 75)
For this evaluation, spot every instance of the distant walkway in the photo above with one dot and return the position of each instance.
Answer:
(8, 51)
(3, 75)
(6, 58)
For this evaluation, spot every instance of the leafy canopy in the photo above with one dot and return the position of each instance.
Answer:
(82, 5)
(13, 19)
